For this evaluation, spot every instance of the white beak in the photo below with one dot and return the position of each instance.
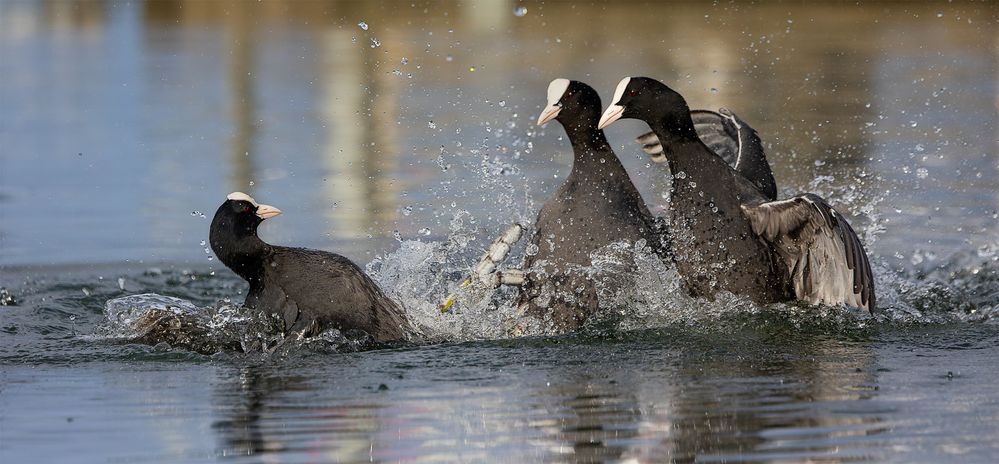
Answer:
(267, 211)
(612, 114)
(550, 112)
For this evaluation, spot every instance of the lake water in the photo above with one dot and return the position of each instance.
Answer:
(407, 144)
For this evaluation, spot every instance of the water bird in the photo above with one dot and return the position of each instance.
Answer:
(596, 205)
(311, 290)
(727, 235)
(729, 137)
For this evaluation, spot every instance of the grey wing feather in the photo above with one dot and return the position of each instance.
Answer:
(732, 140)
(716, 131)
(825, 259)
(651, 146)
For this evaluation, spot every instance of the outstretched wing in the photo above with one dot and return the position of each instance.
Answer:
(729, 137)
(823, 254)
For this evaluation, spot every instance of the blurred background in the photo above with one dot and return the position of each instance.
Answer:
(123, 125)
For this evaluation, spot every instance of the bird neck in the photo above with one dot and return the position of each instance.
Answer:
(694, 167)
(242, 253)
(590, 147)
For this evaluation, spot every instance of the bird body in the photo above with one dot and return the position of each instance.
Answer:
(714, 246)
(310, 290)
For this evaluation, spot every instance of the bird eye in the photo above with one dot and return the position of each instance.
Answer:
(246, 209)
(632, 92)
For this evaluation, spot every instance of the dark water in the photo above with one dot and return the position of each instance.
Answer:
(120, 123)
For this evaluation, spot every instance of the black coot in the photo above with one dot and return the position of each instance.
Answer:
(727, 235)
(311, 290)
(596, 205)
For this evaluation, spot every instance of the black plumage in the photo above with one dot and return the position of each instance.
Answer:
(728, 235)
(310, 290)
(596, 205)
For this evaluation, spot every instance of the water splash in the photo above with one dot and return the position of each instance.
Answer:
(635, 288)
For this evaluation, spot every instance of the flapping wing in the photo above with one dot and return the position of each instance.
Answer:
(732, 140)
(823, 254)
(716, 131)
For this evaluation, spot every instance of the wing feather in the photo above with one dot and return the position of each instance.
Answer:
(732, 140)
(823, 254)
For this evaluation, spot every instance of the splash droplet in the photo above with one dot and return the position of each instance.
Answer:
(363, 25)
(520, 11)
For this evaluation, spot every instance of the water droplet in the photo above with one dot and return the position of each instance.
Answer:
(375, 43)
(922, 173)
(714, 90)
(407, 211)
(502, 103)
(363, 25)
(396, 235)
(520, 11)
(531, 250)
(405, 60)
(251, 183)
(681, 175)
(820, 162)
(203, 243)
(449, 58)
(425, 231)
(471, 69)
(432, 124)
